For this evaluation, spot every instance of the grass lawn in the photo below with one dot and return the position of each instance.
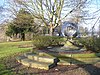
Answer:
(9, 49)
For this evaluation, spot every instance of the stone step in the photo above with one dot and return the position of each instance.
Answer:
(29, 54)
(40, 53)
(35, 64)
(71, 61)
(63, 63)
(19, 58)
(47, 59)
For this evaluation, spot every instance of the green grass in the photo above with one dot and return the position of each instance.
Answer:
(86, 55)
(78, 55)
(90, 55)
(10, 48)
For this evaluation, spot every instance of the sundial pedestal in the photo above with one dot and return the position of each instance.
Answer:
(69, 46)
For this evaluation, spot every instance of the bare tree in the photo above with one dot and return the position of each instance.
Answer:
(99, 31)
(50, 11)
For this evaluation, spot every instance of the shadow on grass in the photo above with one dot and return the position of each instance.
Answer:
(9, 70)
(90, 68)
(10, 66)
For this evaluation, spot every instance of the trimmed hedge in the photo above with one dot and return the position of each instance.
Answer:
(45, 41)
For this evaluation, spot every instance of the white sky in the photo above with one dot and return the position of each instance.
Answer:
(93, 6)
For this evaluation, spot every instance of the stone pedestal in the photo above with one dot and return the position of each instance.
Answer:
(69, 46)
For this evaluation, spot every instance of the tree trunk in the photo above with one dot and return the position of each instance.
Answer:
(51, 31)
(23, 36)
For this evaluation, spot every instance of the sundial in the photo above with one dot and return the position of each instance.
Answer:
(69, 29)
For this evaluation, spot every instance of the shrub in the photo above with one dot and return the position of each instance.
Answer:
(57, 40)
(91, 43)
(44, 41)
(97, 44)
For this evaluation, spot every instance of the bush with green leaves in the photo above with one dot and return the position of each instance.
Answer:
(91, 43)
(97, 44)
(45, 41)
